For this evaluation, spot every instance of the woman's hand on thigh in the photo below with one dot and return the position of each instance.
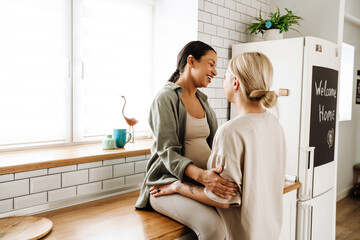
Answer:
(167, 189)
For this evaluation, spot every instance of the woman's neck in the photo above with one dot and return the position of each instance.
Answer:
(187, 85)
(246, 106)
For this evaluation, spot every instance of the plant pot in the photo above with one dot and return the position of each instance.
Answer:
(273, 34)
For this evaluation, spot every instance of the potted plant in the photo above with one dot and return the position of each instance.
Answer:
(274, 23)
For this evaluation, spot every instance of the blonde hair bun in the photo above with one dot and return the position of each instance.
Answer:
(254, 71)
(267, 98)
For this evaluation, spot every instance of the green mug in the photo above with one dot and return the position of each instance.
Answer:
(120, 137)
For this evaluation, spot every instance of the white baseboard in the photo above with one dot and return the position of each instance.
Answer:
(343, 193)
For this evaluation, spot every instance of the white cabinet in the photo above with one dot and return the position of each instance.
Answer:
(288, 230)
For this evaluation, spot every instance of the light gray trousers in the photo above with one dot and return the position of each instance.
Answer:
(201, 218)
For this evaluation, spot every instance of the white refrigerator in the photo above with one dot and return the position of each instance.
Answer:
(306, 72)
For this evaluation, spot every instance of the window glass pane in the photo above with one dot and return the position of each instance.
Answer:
(114, 53)
(34, 71)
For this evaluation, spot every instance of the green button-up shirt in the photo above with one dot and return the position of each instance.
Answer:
(168, 123)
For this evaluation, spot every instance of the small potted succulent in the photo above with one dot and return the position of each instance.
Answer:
(274, 26)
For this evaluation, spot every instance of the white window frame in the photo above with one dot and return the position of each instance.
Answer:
(79, 70)
(168, 41)
(67, 139)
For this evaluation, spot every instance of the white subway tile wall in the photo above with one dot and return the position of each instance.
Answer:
(28, 174)
(100, 173)
(140, 166)
(134, 179)
(62, 169)
(30, 200)
(89, 165)
(114, 183)
(75, 178)
(14, 189)
(124, 169)
(40, 184)
(221, 23)
(113, 161)
(62, 193)
(6, 177)
(6, 205)
(61, 183)
(136, 158)
(89, 188)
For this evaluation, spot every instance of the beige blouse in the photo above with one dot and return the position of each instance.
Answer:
(196, 147)
(252, 150)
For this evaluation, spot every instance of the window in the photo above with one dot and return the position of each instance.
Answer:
(113, 57)
(34, 72)
(346, 82)
(63, 65)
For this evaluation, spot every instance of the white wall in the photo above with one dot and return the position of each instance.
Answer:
(353, 7)
(321, 17)
(349, 131)
(223, 23)
(175, 24)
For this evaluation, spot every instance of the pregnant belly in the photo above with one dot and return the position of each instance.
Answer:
(198, 151)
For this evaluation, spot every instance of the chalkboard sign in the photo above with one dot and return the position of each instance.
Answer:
(323, 114)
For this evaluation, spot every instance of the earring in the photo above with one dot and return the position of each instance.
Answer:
(191, 60)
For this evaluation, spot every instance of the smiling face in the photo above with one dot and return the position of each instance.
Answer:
(204, 71)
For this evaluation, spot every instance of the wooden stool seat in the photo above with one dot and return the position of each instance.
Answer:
(357, 173)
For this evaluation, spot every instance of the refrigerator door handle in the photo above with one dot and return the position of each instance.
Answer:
(305, 191)
(304, 230)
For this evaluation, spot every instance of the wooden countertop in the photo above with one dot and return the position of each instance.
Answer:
(26, 160)
(116, 218)
(112, 218)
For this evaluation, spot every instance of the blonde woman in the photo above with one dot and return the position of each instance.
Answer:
(251, 150)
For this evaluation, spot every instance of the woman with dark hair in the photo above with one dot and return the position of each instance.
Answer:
(184, 126)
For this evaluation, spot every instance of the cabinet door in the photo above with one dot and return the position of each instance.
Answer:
(323, 216)
(289, 216)
(316, 218)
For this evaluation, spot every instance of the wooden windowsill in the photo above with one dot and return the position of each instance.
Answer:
(27, 160)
